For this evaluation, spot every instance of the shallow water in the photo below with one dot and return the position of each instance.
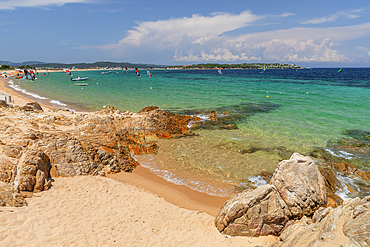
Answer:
(277, 112)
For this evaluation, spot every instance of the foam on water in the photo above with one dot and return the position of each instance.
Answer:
(34, 95)
(18, 88)
(147, 161)
(257, 180)
(340, 154)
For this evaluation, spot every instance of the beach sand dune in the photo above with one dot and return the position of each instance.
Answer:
(99, 211)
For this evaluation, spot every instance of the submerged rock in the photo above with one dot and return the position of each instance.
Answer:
(349, 170)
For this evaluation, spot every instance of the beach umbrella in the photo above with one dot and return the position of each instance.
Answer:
(4, 72)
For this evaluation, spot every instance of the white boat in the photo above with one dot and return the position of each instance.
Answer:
(80, 79)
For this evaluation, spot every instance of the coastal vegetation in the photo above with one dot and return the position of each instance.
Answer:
(240, 66)
(106, 64)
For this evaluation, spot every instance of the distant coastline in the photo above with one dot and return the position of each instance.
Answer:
(115, 65)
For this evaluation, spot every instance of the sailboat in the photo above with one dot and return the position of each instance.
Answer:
(264, 69)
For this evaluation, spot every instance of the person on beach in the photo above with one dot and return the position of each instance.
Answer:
(148, 73)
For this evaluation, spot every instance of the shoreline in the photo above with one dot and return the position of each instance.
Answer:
(142, 177)
(179, 195)
(45, 103)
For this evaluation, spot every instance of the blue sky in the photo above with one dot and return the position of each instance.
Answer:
(307, 33)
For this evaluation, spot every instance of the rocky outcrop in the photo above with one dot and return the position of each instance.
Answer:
(300, 184)
(357, 227)
(33, 106)
(7, 170)
(36, 146)
(347, 225)
(213, 116)
(3, 103)
(295, 189)
(254, 213)
(349, 170)
(33, 169)
(151, 121)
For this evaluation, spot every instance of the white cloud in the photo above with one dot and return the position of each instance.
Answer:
(352, 14)
(287, 14)
(321, 20)
(196, 29)
(349, 14)
(12, 4)
(207, 38)
(362, 48)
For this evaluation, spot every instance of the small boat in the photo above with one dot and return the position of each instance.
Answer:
(81, 84)
(80, 79)
(105, 72)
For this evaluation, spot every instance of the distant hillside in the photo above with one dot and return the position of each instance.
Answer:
(20, 64)
(101, 64)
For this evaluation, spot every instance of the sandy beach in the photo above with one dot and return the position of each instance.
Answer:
(125, 209)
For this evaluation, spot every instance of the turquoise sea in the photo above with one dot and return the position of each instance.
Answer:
(277, 112)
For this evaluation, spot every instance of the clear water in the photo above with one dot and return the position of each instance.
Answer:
(277, 112)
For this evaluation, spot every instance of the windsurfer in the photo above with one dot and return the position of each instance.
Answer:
(137, 72)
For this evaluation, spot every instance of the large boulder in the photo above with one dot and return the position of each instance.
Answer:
(31, 161)
(254, 213)
(295, 189)
(33, 106)
(300, 184)
(3, 103)
(151, 121)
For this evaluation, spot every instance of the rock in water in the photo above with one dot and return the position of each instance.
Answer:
(295, 189)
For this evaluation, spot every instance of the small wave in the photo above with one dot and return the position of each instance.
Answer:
(148, 162)
(345, 193)
(236, 139)
(257, 180)
(18, 88)
(57, 102)
(340, 154)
